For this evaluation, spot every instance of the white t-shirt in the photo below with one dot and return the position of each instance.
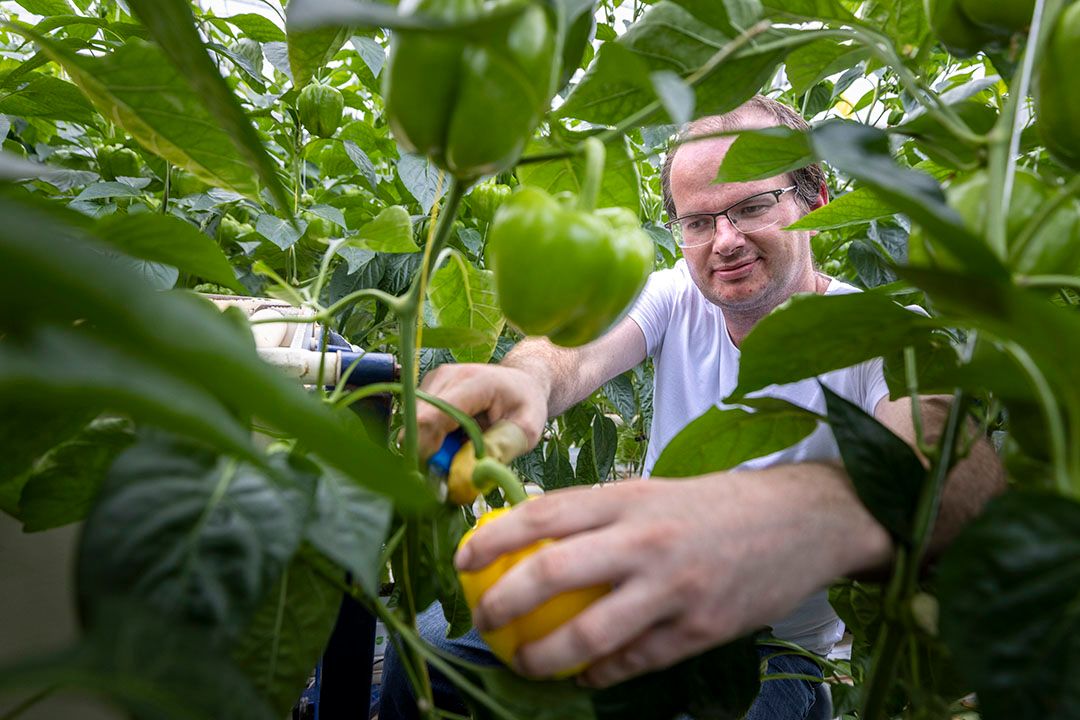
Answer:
(697, 365)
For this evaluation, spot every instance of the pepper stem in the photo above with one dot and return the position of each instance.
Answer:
(594, 174)
(489, 472)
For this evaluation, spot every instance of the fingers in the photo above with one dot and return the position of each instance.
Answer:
(659, 647)
(584, 560)
(470, 394)
(494, 392)
(554, 515)
(600, 632)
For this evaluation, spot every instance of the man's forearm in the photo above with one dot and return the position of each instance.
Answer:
(556, 370)
(569, 375)
(978, 477)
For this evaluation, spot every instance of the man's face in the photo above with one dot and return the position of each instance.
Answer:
(746, 273)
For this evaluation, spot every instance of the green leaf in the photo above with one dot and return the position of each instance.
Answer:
(27, 431)
(1010, 606)
(50, 98)
(198, 537)
(666, 38)
(64, 484)
(179, 337)
(620, 392)
(455, 337)
(256, 27)
(463, 296)
(861, 326)
(280, 232)
(619, 187)
(863, 153)
(722, 439)
(939, 142)
(289, 632)
(423, 180)
(136, 87)
(327, 14)
(761, 154)
(173, 26)
(390, 232)
(719, 684)
(104, 190)
(816, 9)
(815, 61)
(558, 472)
(170, 240)
(61, 366)
(13, 167)
(854, 208)
(46, 7)
(372, 53)
(151, 667)
(887, 475)
(597, 455)
(311, 50)
(362, 162)
(676, 96)
(349, 525)
(730, 16)
(447, 530)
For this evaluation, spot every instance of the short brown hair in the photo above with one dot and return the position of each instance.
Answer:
(807, 180)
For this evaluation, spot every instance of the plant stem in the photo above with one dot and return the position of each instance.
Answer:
(912, 377)
(489, 471)
(1051, 413)
(407, 309)
(889, 647)
(468, 422)
(594, 174)
(386, 298)
(1005, 142)
(1049, 281)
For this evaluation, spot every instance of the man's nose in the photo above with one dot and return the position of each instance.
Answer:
(727, 238)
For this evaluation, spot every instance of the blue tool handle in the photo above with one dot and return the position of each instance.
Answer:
(439, 463)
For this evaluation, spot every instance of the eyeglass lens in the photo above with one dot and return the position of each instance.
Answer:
(750, 215)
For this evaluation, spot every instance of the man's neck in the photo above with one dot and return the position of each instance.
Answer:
(739, 324)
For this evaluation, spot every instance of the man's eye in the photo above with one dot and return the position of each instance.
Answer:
(696, 224)
(753, 210)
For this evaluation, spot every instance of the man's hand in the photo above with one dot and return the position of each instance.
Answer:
(489, 392)
(693, 563)
(535, 380)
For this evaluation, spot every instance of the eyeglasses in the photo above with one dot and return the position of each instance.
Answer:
(751, 214)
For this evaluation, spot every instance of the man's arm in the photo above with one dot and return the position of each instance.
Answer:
(536, 380)
(697, 562)
(976, 479)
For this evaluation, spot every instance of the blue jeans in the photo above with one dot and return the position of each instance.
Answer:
(777, 700)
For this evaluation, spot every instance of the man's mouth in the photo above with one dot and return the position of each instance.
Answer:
(735, 271)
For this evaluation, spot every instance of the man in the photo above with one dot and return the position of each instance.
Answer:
(701, 561)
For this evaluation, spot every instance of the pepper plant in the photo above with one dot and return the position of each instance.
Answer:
(350, 159)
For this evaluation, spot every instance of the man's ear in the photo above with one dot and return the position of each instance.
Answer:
(822, 197)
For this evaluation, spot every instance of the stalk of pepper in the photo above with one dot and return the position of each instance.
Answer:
(567, 273)
(470, 105)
